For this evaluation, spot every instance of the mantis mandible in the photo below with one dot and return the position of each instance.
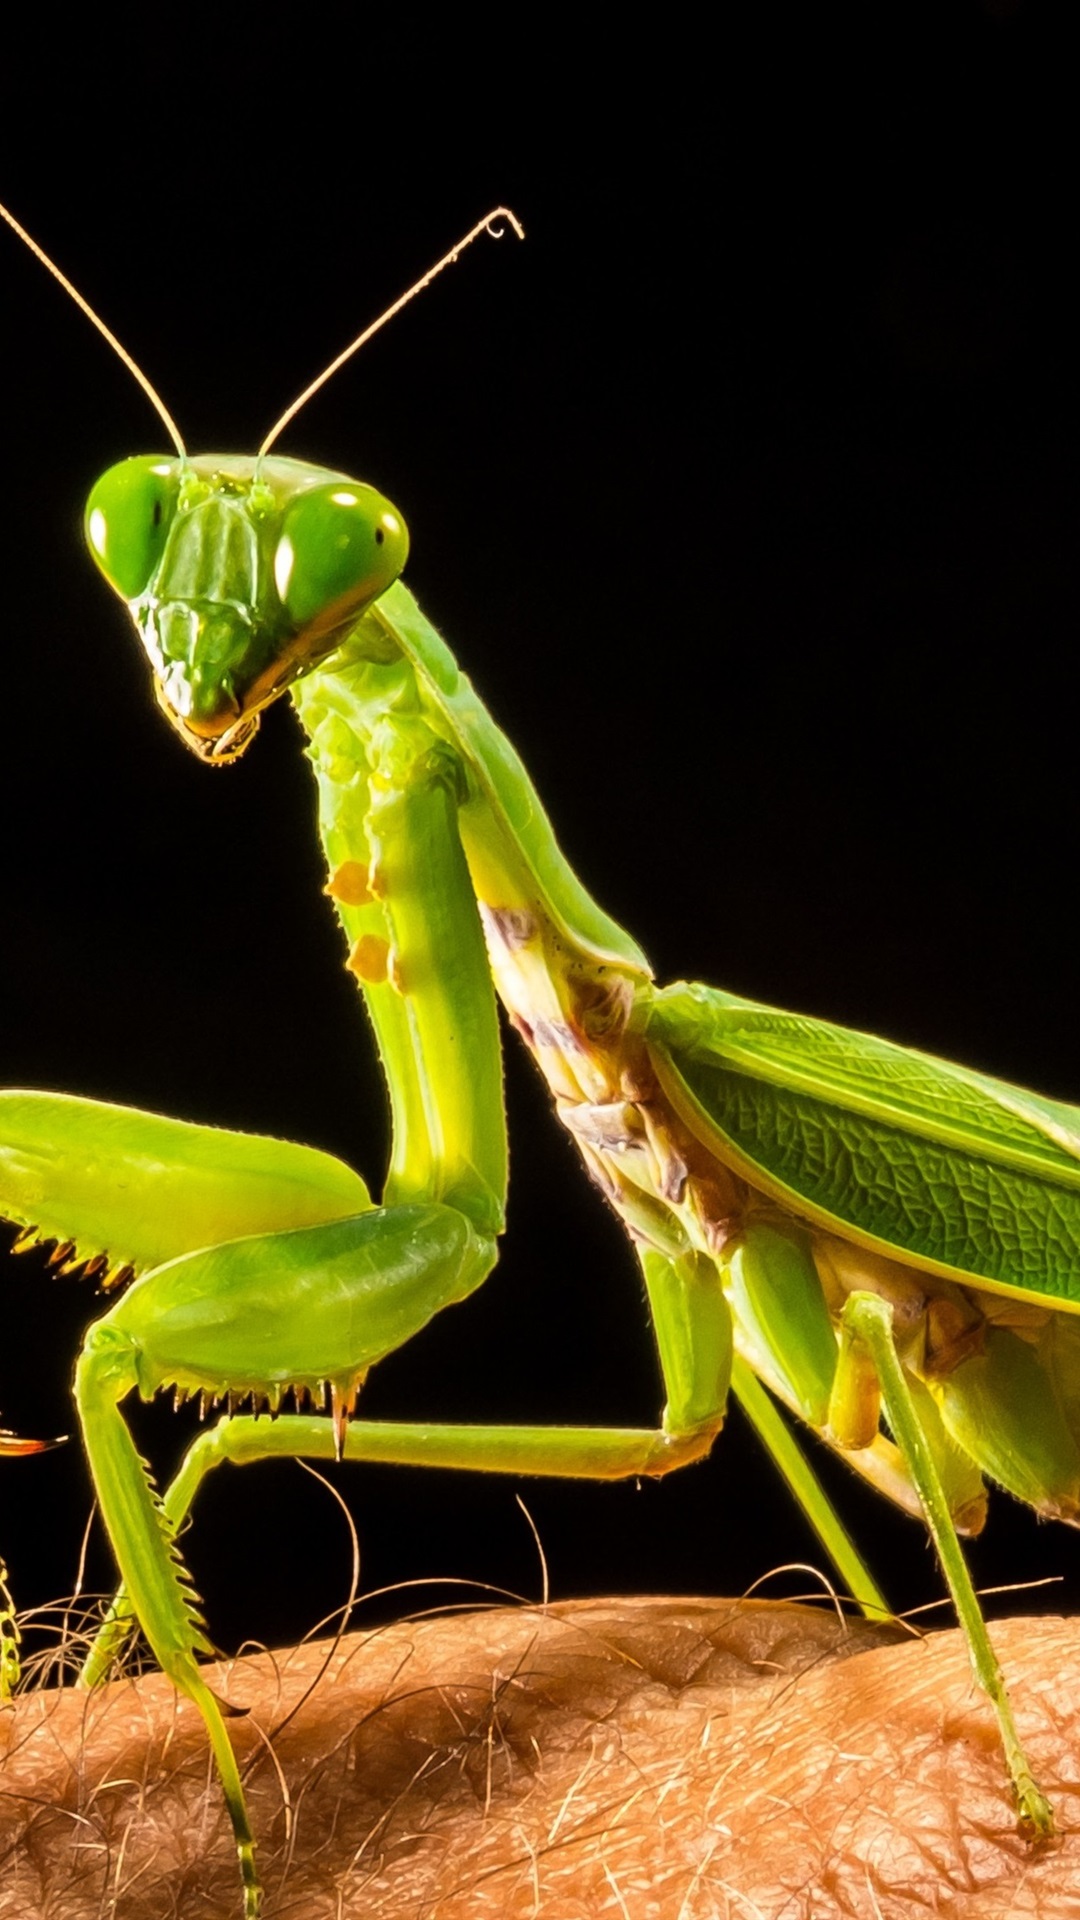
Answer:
(886, 1245)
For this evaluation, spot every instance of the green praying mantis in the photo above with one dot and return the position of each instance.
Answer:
(886, 1245)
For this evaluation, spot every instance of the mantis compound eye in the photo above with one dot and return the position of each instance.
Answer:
(128, 516)
(340, 546)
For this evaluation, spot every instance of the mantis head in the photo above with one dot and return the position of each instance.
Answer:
(240, 574)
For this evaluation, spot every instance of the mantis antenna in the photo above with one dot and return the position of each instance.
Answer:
(486, 225)
(95, 319)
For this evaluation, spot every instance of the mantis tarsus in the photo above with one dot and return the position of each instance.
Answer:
(885, 1244)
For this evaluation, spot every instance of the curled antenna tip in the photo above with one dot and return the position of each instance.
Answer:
(503, 213)
(482, 226)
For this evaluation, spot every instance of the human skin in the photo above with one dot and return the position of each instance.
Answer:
(642, 1758)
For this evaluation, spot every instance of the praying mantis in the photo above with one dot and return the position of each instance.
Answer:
(884, 1244)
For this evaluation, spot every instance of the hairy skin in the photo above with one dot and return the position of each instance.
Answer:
(634, 1758)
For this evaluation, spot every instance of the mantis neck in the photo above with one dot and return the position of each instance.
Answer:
(432, 830)
(388, 805)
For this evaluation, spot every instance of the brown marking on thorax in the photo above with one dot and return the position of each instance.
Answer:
(573, 1013)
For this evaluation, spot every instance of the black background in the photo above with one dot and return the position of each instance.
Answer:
(746, 491)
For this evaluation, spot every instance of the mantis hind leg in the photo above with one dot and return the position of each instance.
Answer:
(869, 1338)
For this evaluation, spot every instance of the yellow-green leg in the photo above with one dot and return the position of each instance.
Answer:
(868, 1324)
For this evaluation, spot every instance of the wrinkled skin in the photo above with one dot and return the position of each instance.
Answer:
(641, 1758)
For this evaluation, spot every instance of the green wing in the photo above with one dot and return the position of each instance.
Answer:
(911, 1155)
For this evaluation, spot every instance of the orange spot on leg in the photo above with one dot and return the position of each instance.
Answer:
(369, 959)
(350, 883)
